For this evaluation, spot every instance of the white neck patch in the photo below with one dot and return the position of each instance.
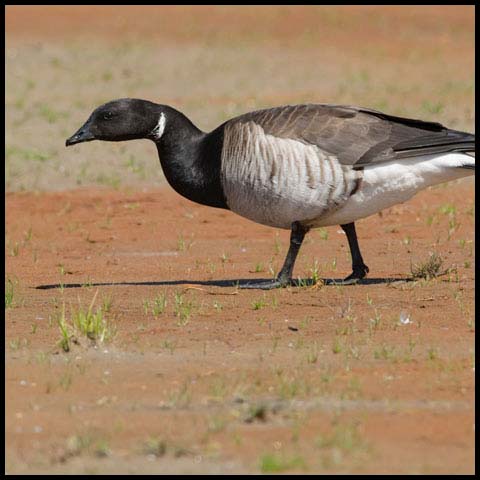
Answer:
(157, 132)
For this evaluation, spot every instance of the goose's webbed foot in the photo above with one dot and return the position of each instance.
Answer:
(359, 272)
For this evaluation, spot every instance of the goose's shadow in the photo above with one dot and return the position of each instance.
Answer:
(240, 282)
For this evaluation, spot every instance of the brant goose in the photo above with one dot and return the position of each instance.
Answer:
(293, 167)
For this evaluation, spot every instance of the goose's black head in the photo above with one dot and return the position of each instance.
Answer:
(119, 120)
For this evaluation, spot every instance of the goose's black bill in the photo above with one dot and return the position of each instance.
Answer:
(82, 135)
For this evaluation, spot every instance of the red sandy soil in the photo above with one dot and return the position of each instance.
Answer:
(409, 388)
(373, 25)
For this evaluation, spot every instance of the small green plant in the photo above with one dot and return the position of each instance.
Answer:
(323, 233)
(15, 249)
(181, 397)
(216, 424)
(258, 304)
(155, 446)
(408, 356)
(337, 346)
(146, 306)
(134, 167)
(427, 269)
(112, 180)
(433, 107)
(274, 301)
(88, 283)
(84, 323)
(15, 344)
(66, 380)
(274, 344)
(344, 438)
(271, 269)
(65, 332)
(91, 324)
(107, 304)
(182, 309)
(448, 209)
(62, 273)
(218, 389)
(101, 449)
(77, 444)
(9, 293)
(50, 115)
(159, 304)
(385, 352)
(256, 412)
(168, 345)
(259, 267)
(432, 353)
(334, 264)
(303, 282)
(86, 443)
(272, 463)
(132, 206)
(28, 235)
(452, 226)
(181, 247)
(312, 355)
(182, 244)
(374, 323)
(277, 245)
(315, 272)
(305, 322)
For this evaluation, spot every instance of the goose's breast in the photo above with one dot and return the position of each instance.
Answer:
(277, 181)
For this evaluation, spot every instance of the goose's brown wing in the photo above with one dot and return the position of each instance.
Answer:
(358, 136)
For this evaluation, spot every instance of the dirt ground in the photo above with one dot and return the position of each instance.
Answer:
(343, 384)
(197, 375)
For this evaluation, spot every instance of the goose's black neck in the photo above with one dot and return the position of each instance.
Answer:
(191, 159)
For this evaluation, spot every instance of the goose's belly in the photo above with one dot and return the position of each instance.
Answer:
(275, 205)
(276, 181)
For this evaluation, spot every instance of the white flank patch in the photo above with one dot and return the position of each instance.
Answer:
(157, 132)
(387, 184)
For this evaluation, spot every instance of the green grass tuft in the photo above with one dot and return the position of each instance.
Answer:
(271, 463)
(88, 324)
(9, 294)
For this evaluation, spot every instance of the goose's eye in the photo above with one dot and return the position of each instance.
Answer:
(107, 115)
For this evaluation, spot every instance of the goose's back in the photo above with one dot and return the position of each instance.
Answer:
(357, 136)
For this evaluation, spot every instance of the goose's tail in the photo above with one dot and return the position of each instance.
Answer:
(457, 150)
(469, 157)
(463, 162)
(446, 141)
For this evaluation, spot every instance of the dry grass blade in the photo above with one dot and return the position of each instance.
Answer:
(428, 269)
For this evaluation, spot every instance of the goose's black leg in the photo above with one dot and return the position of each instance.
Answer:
(284, 278)
(359, 268)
